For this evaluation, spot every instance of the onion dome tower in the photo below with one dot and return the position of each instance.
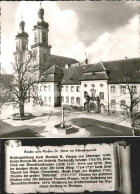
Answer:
(41, 48)
(22, 38)
(41, 31)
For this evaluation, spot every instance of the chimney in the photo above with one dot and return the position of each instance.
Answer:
(67, 66)
(86, 60)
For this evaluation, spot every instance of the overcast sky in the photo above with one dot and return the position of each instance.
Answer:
(105, 30)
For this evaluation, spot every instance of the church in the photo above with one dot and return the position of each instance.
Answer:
(98, 87)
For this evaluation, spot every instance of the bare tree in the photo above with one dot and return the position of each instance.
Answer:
(131, 108)
(25, 79)
(131, 101)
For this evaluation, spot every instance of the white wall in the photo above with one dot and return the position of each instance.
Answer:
(47, 93)
(70, 94)
(118, 96)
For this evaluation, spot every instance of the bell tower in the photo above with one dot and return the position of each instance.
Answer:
(41, 48)
(22, 38)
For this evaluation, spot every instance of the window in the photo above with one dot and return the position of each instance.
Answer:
(16, 46)
(134, 89)
(101, 95)
(72, 88)
(49, 88)
(72, 100)
(67, 99)
(123, 89)
(35, 38)
(93, 91)
(62, 99)
(113, 103)
(44, 57)
(62, 88)
(77, 88)
(24, 46)
(92, 85)
(122, 104)
(41, 88)
(44, 37)
(45, 88)
(78, 100)
(85, 85)
(34, 56)
(85, 94)
(45, 99)
(49, 99)
(67, 88)
(113, 89)
(101, 85)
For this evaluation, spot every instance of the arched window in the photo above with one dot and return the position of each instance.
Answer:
(85, 94)
(45, 88)
(34, 55)
(77, 88)
(49, 99)
(72, 100)
(67, 99)
(72, 88)
(24, 46)
(67, 88)
(41, 88)
(49, 88)
(44, 38)
(17, 46)
(45, 99)
(62, 99)
(35, 38)
(62, 88)
(78, 100)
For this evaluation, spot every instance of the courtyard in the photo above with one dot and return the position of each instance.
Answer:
(46, 117)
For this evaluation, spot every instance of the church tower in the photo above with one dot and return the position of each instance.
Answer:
(22, 38)
(41, 48)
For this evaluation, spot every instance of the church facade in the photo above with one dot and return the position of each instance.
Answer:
(100, 87)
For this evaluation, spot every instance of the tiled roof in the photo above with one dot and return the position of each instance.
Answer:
(94, 76)
(55, 65)
(54, 70)
(117, 70)
(72, 75)
(62, 61)
(57, 60)
(54, 73)
(52, 78)
(96, 68)
(113, 71)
